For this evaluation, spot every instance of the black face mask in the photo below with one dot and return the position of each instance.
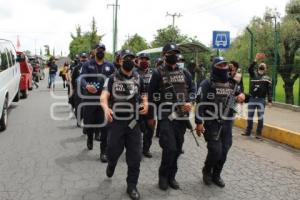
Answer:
(171, 59)
(100, 55)
(220, 74)
(128, 65)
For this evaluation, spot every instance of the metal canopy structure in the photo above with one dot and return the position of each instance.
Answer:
(185, 48)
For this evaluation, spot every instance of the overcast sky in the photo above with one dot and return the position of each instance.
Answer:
(40, 22)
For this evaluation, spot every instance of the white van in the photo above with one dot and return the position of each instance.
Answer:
(9, 79)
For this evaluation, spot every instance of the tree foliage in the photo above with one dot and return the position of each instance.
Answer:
(83, 42)
(135, 43)
(168, 34)
(289, 43)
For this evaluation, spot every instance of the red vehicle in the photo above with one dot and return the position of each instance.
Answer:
(26, 74)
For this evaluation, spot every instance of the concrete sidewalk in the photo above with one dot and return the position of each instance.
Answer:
(279, 117)
(281, 125)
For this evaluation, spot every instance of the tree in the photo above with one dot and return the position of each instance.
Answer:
(93, 37)
(289, 44)
(169, 34)
(109, 56)
(135, 43)
(83, 42)
(290, 36)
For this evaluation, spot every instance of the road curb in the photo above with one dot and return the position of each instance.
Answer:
(294, 108)
(278, 134)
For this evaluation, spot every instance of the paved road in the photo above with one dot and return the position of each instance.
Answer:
(41, 158)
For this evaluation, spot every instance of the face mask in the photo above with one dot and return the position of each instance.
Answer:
(128, 65)
(220, 74)
(180, 65)
(144, 65)
(100, 55)
(171, 59)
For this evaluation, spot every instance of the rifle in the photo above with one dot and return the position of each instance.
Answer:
(229, 103)
(190, 127)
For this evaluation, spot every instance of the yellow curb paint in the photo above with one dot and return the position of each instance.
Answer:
(278, 134)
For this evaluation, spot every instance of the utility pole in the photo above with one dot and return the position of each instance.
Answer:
(173, 16)
(274, 72)
(115, 25)
(251, 50)
(298, 19)
(128, 36)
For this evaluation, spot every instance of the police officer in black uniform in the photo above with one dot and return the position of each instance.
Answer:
(117, 60)
(158, 62)
(208, 119)
(75, 74)
(145, 73)
(169, 89)
(92, 79)
(75, 62)
(125, 94)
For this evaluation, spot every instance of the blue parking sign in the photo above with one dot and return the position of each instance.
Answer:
(221, 39)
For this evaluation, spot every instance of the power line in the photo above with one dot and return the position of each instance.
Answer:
(115, 25)
(173, 16)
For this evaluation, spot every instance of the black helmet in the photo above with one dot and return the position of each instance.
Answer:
(158, 60)
(100, 46)
(171, 47)
(180, 57)
(127, 52)
(117, 53)
(83, 55)
(219, 60)
(144, 55)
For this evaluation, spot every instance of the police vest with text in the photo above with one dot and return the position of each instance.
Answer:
(173, 87)
(125, 96)
(146, 76)
(216, 97)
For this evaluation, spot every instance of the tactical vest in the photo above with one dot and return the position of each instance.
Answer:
(146, 76)
(125, 91)
(173, 83)
(217, 94)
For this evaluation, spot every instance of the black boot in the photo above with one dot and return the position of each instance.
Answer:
(216, 178)
(133, 193)
(110, 170)
(174, 184)
(89, 142)
(103, 157)
(97, 137)
(218, 181)
(207, 176)
(163, 183)
(147, 154)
